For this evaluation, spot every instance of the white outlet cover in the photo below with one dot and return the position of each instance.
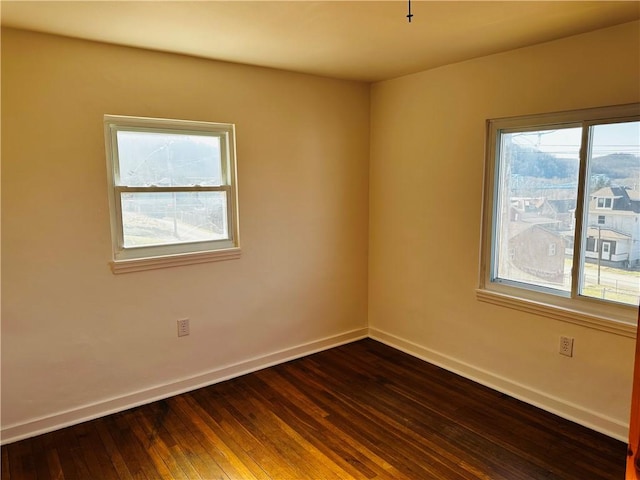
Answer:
(566, 346)
(183, 327)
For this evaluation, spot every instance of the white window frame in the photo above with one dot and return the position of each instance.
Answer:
(602, 315)
(161, 256)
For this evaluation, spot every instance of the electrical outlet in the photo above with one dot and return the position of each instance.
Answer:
(183, 327)
(566, 346)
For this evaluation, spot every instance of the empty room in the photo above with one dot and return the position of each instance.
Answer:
(319, 240)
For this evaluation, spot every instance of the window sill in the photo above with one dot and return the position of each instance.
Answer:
(558, 313)
(153, 263)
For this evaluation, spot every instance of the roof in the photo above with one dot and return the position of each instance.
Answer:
(624, 199)
(609, 192)
(607, 234)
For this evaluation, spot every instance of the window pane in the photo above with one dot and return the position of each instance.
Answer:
(610, 267)
(164, 159)
(176, 217)
(535, 228)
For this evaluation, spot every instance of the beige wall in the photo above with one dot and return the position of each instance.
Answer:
(78, 340)
(315, 190)
(426, 174)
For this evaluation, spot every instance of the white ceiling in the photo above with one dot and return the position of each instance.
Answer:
(359, 40)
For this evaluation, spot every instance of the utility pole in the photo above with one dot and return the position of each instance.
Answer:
(599, 253)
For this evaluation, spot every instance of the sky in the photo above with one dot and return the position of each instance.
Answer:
(565, 142)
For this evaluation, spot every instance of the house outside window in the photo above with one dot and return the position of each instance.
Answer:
(172, 192)
(546, 178)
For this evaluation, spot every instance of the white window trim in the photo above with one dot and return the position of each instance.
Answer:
(152, 263)
(163, 256)
(601, 315)
(601, 321)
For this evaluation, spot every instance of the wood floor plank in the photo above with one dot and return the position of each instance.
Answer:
(263, 425)
(233, 433)
(348, 395)
(53, 462)
(370, 465)
(159, 452)
(361, 411)
(41, 461)
(195, 461)
(93, 451)
(275, 459)
(139, 463)
(66, 447)
(21, 464)
(439, 437)
(338, 441)
(260, 391)
(6, 471)
(237, 463)
(309, 421)
(213, 444)
(349, 407)
(113, 453)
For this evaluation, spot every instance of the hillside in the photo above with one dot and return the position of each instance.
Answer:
(530, 162)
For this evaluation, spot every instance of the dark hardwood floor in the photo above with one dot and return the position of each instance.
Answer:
(360, 411)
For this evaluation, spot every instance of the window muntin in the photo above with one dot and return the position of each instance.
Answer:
(535, 197)
(172, 187)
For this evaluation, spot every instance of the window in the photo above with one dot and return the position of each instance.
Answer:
(545, 249)
(172, 192)
(604, 202)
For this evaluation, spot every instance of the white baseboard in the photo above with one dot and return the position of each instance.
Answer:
(570, 411)
(81, 414)
(576, 413)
